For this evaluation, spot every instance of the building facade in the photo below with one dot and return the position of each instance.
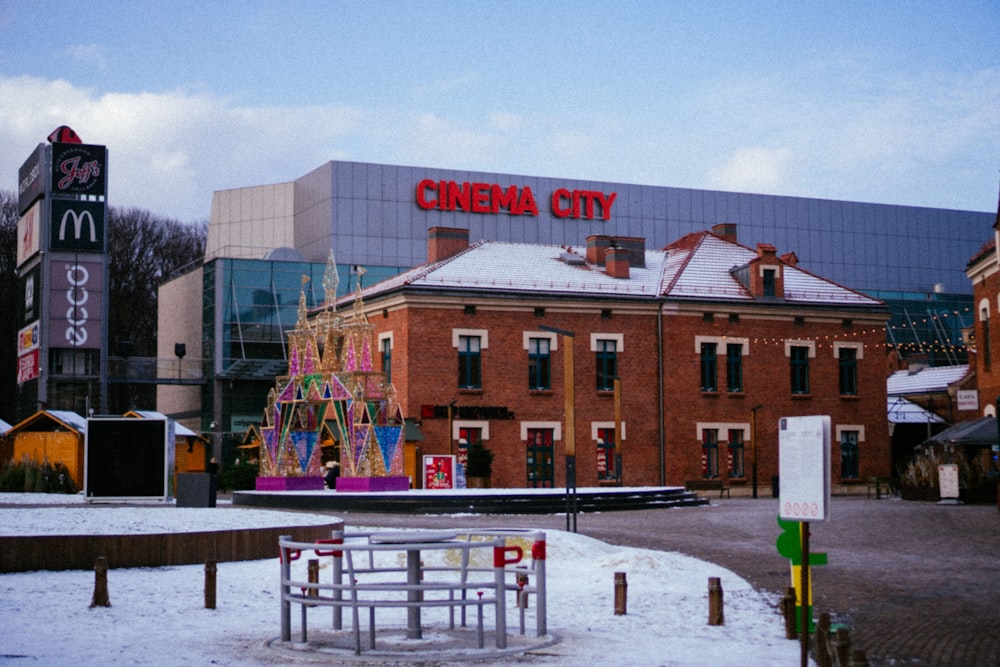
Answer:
(983, 271)
(374, 218)
(681, 361)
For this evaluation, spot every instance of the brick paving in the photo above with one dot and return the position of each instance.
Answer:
(917, 583)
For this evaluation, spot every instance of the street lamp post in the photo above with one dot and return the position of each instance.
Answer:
(569, 436)
(753, 447)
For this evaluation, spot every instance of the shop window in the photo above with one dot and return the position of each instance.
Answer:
(736, 458)
(710, 453)
(849, 454)
(607, 467)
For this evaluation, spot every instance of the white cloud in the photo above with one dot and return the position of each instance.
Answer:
(754, 169)
(88, 54)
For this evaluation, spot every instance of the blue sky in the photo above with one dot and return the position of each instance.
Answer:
(893, 102)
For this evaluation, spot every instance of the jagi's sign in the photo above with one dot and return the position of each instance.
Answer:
(492, 198)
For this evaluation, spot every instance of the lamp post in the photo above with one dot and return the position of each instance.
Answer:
(569, 436)
(618, 431)
(753, 447)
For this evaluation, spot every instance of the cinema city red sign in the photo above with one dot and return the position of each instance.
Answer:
(492, 198)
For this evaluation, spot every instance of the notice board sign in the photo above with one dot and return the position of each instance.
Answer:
(948, 481)
(804, 468)
(127, 458)
(439, 471)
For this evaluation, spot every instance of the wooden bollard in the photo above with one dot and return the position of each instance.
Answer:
(313, 578)
(788, 612)
(621, 594)
(842, 645)
(210, 569)
(858, 659)
(100, 598)
(824, 655)
(716, 614)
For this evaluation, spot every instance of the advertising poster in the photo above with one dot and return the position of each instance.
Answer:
(439, 472)
(28, 233)
(30, 184)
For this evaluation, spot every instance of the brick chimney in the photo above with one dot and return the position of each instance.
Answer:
(617, 262)
(444, 242)
(597, 246)
(725, 230)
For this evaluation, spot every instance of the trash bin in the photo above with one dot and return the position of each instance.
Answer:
(774, 486)
(195, 489)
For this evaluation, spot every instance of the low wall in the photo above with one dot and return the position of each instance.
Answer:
(78, 552)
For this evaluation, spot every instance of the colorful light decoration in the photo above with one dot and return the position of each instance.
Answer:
(332, 389)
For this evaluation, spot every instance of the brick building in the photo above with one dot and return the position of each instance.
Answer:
(711, 342)
(983, 270)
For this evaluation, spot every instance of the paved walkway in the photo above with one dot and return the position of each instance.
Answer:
(917, 583)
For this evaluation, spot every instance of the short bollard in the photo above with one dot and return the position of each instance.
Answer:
(210, 568)
(788, 611)
(100, 598)
(621, 594)
(716, 615)
(522, 581)
(313, 578)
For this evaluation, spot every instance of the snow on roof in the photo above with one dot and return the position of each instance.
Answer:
(698, 266)
(179, 429)
(4, 427)
(69, 417)
(902, 411)
(925, 380)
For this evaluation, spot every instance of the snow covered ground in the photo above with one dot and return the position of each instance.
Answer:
(157, 615)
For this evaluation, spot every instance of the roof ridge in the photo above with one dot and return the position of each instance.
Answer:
(694, 239)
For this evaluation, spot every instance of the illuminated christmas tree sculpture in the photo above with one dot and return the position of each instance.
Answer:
(332, 390)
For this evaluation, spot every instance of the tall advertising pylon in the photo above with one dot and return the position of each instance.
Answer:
(62, 277)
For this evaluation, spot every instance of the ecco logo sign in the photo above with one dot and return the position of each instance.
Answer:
(76, 312)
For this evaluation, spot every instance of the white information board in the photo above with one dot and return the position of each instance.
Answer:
(804, 468)
(948, 481)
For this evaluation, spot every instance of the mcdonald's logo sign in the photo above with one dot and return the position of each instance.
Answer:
(77, 226)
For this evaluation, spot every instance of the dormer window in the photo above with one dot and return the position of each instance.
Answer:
(769, 277)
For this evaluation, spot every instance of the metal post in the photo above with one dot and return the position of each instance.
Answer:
(753, 446)
(283, 590)
(619, 458)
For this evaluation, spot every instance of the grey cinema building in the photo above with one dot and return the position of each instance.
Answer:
(263, 239)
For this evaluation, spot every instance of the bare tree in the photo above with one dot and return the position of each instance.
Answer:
(8, 294)
(143, 251)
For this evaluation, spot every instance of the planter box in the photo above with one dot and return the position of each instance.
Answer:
(289, 483)
(372, 484)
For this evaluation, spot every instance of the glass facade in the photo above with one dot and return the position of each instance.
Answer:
(248, 306)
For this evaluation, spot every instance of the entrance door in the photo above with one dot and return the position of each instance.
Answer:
(541, 472)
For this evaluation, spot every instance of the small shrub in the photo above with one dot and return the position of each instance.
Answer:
(27, 476)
